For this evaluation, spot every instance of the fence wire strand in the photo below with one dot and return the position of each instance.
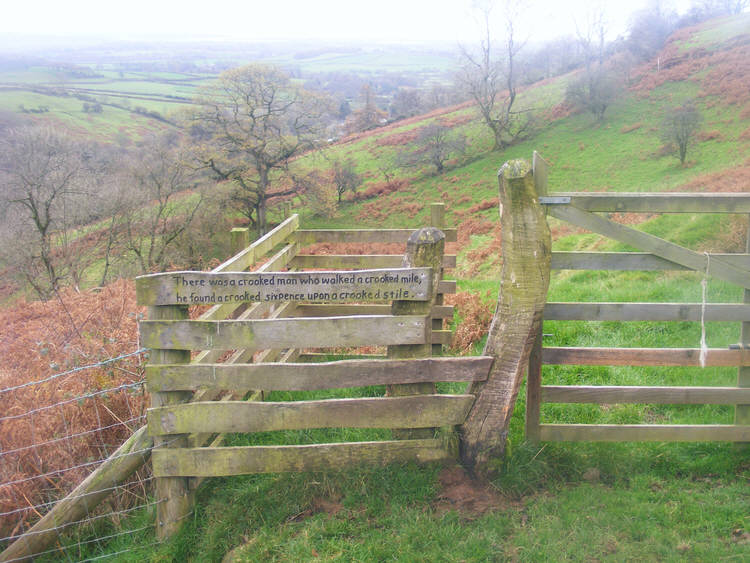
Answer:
(31, 466)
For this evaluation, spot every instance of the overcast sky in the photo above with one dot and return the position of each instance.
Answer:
(383, 20)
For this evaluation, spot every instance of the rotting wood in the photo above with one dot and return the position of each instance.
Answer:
(729, 312)
(312, 376)
(523, 290)
(418, 411)
(605, 394)
(644, 433)
(715, 357)
(82, 500)
(372, 330)
(424, 248)
(216, 462)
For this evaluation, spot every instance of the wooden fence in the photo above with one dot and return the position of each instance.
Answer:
(656, 254)
(262, 321)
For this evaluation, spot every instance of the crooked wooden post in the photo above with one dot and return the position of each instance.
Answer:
(518, 316)
(424, 248)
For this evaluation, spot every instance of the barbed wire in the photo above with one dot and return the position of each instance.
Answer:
(74, 370)
(72, 436)
(74, 399)
(84, 521)
(98, 432)
(86, 542)
(54, 502)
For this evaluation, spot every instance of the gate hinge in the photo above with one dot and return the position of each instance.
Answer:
(554, 200)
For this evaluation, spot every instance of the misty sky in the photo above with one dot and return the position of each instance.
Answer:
(384, 20)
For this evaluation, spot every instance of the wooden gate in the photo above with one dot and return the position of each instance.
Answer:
(197, 402)
(656, 254)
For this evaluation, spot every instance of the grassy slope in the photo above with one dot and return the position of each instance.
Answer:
(615, 502)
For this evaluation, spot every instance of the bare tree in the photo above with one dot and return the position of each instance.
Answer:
(42, 175)
(251, 124)
(491, 81)
(680, 127)
(160, 207)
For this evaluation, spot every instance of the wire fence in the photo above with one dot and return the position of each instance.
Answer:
(56, 430)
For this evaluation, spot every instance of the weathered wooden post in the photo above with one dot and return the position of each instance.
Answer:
(437, 220)
(424, 248)
(173, 494)
(742, 412)
(523, 292)
(239, 239)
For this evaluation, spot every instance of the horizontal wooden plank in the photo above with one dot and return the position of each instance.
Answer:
(646, 242)
(324, 375)
(441, 337)
(373, 330)
(417, 411)
(218, 462)
(345, 309)
(447, 286)
(357, 261)
(715, 357)
(731, 312)
(280, 260)
(631, 261)
(665, 202)
(192, 288)
(643, 433)
(318, 356)
(312, 236)
(601, 394)
(248, 256)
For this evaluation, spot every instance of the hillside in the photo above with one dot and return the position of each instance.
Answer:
(582, 501)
